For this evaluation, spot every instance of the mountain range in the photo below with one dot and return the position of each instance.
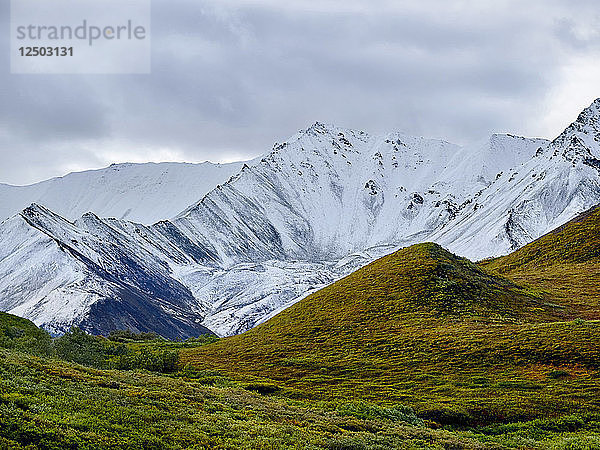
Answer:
(317, 207)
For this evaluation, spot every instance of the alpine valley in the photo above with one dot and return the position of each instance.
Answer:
(316, 208)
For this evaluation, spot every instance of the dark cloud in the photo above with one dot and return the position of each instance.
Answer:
(231, 77)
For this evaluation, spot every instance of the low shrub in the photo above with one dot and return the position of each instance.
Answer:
(130, 336)
(82, 348)
(101, 353)
(364, 410)
(164, 361)
(445, 415)
(575, 443)
(262, 388)
(22, 335)
(345, 444)
(559, 374)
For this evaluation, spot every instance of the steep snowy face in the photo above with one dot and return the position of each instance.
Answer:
(560, 181)
(580, 142)
(329, 191)
(60, 274)
(142, 193)
(487, 160)
(35, 277)
(105, 274)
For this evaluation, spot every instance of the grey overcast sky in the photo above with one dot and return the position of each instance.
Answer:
(231, 77)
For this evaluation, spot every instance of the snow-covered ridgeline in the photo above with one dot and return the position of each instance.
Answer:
(318, 206)
(143, 193)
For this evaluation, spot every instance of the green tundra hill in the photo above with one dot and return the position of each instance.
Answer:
(50, 402)
(563, 266)
(423, 327)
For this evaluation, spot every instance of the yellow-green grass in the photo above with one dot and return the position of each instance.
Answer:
(563, 266)
(49, 404)
(427, 329)
(575, 286)
(577, 241)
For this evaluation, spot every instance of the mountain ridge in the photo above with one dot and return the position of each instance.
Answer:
(125, 191)
(318, 206)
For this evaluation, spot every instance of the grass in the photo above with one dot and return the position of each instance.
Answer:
(420, 349)
(563, 266)
(578, 241)
(52, 404)
(49, 403)
(463, 376)
(461, 345)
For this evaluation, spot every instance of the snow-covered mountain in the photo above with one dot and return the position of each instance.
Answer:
(143, 193)
(318, 206)
(328, 192)
(530, 199)
(61, 273)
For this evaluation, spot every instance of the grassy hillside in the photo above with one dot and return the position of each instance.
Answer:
(48, 403)
(430, 330)
(563, 266)
(578, 241)
(21, 334)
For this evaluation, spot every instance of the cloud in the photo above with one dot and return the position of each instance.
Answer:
(230, 77)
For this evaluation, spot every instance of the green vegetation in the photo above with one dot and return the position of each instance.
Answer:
(420, 349)
(462, 346)
(121, 350)
(578, 241)
(563, 266)
(22, 335)
(49, 403)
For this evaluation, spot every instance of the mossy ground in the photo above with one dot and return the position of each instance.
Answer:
(562, 266)
(52, 404)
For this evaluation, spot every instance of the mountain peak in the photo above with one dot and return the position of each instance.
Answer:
(280, 226)
(36, 210)
(590, 115)
(332, 130)
(580, 142)
(322, 127)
